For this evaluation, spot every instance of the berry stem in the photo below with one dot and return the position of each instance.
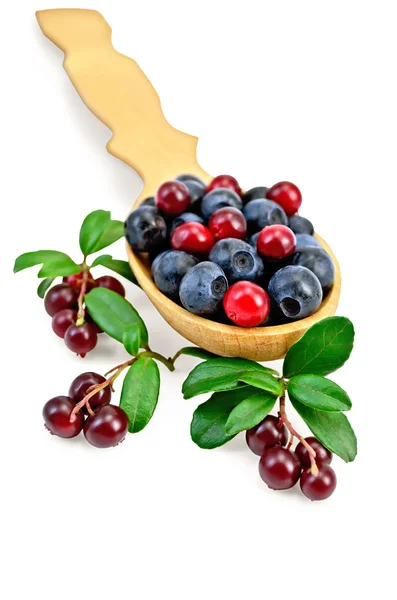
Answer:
(80, 300)
(284, 419)
(168, 362)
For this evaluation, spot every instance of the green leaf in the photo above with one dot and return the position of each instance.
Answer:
(250, 412)
(263, 381)
(324, 348)
(332, 429)
(121, 267)
(114, 314)
(320, 393)
(208, 424)
(217, 375)
(113, 232)
(43, 286)
(198, 352)
(140, 393)
(92, 229)
(132, 339)
(54, 263)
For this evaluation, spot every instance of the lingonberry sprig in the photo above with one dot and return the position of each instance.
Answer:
(65, 302)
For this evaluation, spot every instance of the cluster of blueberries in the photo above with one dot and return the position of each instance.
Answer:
(246, 258)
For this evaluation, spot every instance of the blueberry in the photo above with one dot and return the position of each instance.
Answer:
(219, 198)
(262, 212)
(145, 229)
(149, 202)
(187, 217)
(299, 224)
(202, 289)
(238, 260)
(253, 239)
(254, 194)
(319, 262)
(169, 271)
(304, 240)
(157, 258)
(189, 177)
(296, 291)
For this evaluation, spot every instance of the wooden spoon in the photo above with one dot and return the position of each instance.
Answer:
(115, 89)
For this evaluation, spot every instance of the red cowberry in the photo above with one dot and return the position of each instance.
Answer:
(59, 297)
(228, 222)
(173, 198)
(224, 181)
(323, 455)
(108, 428)
(79, 386)
(111, 283)
(76, 280)
(56, 415)
(321, 486)
(270, 432)
(81, 338)
(246, 304)
(276, 241)
(62, 320)
(194, 238)
(287, 195)
(279, 468)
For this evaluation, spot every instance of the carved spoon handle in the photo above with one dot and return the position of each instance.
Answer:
(117, 91)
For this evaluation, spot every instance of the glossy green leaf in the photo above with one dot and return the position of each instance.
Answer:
(218, 374)
(324, 348)
(54, 263)
(44, 286)
(140, 393)
(250, 412)
(114, 314)
(132, 339)
(320, 393)
(92, 229)
(332, 429)
(263, 381)
(209, 419)
(121, 267)
(113, 232)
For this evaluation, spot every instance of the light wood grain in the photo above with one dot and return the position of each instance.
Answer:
(116, 90)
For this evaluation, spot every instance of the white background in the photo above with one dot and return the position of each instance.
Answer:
(303, 91)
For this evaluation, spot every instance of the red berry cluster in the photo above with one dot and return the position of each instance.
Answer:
(104, 424)
(64, 303)
(281, 468)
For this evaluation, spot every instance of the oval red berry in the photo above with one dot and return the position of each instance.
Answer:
(246, 304)
(228, 222)
(276, 241)
(287, 195)
(173, 198)
(194, 238)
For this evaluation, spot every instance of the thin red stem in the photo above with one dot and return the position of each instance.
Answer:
(294, 433)
(80, 299)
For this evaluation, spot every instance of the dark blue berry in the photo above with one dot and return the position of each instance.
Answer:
(149, 202)
(296, 291)
(157, 259)
(238, 260)
(254, 194)
(187, 217)
(261, 212)
(145, 229)
(304, 240)
(189, 177)
(319, 262)
(299, 224)
(219, 198)
(202, 289)
(170, 270)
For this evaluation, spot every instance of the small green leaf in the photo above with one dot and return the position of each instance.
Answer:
(324, 348)
(132, 339)
(332, 429)
(217, 375)
(114, 314)
(43, 286)
(263, 381)
(320, 393)
(113, 232)
(92, 229)
(250, 412)
(208, 424)
(121, 267)
(140, 393)
(54, 263)
(197, 352)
